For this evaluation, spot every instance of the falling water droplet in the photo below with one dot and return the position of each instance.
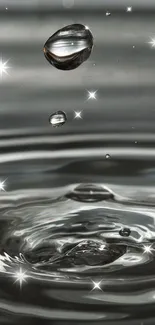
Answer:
(125, 232)
(58, 119)
(89, 193)
(69, 47)
(108, 156)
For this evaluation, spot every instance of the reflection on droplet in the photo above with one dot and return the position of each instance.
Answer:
(108, 13)
(125, 232)
(58, 119)
(89, 193)
(69, 47)
(108, 156)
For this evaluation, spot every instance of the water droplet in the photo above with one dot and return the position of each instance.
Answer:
(58, 119)
(125, 232)
(108, 156)
(89, 193)
(69, 47)
(108, 13)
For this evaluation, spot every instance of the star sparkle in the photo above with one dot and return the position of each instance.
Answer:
(20, 277)
(129, 9)
(148, 249)
(3, 67)
(92, 94)
(96, 285)
(2, 185)
(152, 42)
(78, 114)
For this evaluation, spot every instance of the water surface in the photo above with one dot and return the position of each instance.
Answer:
(78, 206)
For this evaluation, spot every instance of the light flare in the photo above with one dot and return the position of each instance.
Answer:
(3, 67)
(78, 114)
(97, 285)
(152, 42)
(129, 9)
(148, 249)
(20, 277)
(92, 94)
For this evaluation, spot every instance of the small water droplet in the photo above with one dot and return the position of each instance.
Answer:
(136, 141)
(89, 193)
(58, 119)
(133, 46)
(125, 232)
(69, 47)
(107, 156)
(108, 13)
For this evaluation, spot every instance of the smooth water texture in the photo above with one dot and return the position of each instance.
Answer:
(69, 47)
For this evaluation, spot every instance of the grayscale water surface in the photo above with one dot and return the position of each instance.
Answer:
(77, 208)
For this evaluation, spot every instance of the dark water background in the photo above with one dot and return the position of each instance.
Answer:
(63, 236)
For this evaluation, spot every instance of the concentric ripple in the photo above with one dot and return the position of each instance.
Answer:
(65, 235)
(67, 243)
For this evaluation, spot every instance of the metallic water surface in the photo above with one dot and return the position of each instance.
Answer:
(77, 202)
